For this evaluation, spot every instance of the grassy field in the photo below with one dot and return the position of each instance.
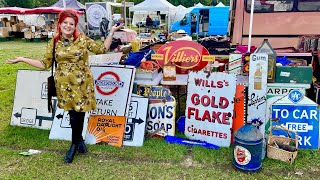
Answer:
(155, 160)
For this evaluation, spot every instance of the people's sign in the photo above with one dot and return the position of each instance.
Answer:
(299, 114)
(210, 107)
(161, 110)
(183, 54)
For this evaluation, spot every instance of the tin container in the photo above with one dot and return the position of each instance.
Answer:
(247, 148)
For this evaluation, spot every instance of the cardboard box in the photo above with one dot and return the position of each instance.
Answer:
(14, 19)
(142, 74)
(37, 34)
(125, 35)
(169, 73)
(28, 34)
(15, 28)
(8, 24)
(4, 32)
(294, 74)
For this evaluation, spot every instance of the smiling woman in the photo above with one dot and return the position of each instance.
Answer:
(73, 78)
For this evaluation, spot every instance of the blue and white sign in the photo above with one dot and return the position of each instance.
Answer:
(303, 119)
(295, 96)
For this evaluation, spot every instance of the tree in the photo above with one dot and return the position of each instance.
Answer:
(20, 3)
(3, 3)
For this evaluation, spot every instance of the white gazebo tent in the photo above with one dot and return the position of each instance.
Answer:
(150, 6)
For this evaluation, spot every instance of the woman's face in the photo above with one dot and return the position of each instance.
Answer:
(67, 27)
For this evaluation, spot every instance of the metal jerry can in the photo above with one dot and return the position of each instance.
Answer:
(247, 147)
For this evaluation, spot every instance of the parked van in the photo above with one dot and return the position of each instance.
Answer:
(204, 21)
(279, 21)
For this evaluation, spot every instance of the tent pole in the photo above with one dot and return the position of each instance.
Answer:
(64, 4)
(250, 27)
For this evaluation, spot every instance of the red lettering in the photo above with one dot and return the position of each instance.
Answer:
(215, 117)
(225, 118)
(189, 129)
(205, 98)
(225, 136)
(195, 99)
(212, 84)
(219, 84)
(197, 115)
(190, 112)
(212, 102)
(206, 116)
(223, 103)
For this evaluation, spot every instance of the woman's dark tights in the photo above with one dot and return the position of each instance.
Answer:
(76, 122)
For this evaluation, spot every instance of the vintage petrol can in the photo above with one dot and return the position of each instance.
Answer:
(247, 148)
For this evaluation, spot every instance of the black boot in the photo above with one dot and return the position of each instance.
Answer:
(82, 148)
(70, 154)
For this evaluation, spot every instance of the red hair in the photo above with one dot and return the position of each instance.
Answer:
(62, 16)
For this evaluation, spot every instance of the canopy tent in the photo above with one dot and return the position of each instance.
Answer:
(13, 10)
(39, 10)
(181, 7)
(198, 5)
(73, 4)
(43, 10)
(149, 6)
(153, 5)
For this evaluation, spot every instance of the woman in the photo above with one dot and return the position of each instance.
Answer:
(74, 80)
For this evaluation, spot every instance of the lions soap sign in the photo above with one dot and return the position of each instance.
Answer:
(300, 114)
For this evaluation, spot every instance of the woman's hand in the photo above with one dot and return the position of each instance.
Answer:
(14, 61)
(116, 28)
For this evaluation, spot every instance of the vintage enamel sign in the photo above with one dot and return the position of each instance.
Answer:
(105, 130)
(276, 91)
(136, 121)
(257, 93)
(183, 54)
(161, 110)
(30, 108)
(113, 88)
(61, 128)
(105, 59)
(210, 107)
(298, 113)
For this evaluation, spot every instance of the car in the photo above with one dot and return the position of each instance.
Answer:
(142, 22)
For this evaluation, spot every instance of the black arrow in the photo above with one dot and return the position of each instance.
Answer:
(41, 118)
(139, 121)
(17, 115)
(59, 116)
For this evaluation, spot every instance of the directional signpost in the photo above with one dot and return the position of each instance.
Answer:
(30, 107)
(136, 121)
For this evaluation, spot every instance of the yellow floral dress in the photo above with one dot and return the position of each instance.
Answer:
(74, 80)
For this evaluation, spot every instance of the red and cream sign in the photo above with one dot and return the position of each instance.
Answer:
(210, 107)
(183, 54)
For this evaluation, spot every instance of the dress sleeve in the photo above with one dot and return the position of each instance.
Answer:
(47, 59)
(95, 47)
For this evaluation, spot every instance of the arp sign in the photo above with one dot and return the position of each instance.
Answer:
(183, 54)
(300, 118)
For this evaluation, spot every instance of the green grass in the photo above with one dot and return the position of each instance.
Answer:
(155, 160)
